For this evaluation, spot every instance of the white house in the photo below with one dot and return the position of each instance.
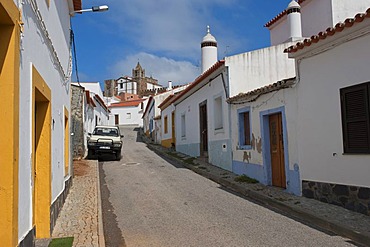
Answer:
(290, 133)
(264, 138)
(127, 112)
(96, 112)
(333, 116)
(152, 120)
(148, 117)
(202, 118)
(168, 137)
(316, 16)
(127, 84)
(35, 74)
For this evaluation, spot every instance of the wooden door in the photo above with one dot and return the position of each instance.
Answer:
(277, 151)
(203, 129)
(173, 130)
(116, 119)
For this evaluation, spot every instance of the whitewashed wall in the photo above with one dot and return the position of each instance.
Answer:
(251, 70)
(319, 136)
(35, 52)
(167, 112)
(219, 148)
(130, 115)
(127, 86)
(252, 161)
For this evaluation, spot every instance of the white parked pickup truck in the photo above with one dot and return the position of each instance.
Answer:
(105, 139)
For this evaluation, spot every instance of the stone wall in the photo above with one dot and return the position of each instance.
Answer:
(350, 197)
(77, 138)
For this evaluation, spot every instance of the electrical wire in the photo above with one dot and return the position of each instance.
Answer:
(74, 55)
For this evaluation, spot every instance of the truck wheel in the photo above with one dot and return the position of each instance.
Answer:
(118, 156)
(90, 154)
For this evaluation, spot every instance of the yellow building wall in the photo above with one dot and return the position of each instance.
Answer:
(42, 154)
(10, 18)
(167, 143)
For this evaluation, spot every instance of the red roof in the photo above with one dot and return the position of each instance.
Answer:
(254, 94)
(148, 105)
(101, 102)
(168, 99)
(329, 32)
(127, 103)
(279, 16)
(89, 99)
(200, 78)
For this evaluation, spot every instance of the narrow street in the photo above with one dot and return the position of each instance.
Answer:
(150, 202)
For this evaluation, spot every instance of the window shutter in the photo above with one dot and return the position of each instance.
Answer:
(355, 119)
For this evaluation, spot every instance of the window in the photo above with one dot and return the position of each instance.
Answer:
(218, 118)
(183, 126)
(128, 115)
(244, 128)
(166, 124)
(355, 104)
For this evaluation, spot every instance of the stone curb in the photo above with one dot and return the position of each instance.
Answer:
(300, 215)
(100, 214)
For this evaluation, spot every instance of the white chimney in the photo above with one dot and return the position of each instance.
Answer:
(169, 85)
(294, 21)
(209, 50)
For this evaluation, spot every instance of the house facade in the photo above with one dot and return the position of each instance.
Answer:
(296, 133)
(333, 102)
(127, 112)
(264, 136)
(152, 118)
(202, 118)
(168, 136)
(35, 155)
(95, 110)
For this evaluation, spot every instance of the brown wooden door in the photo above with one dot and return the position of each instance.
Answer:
(277, 151)
(203, 129)
(116, 119)
(173, 130)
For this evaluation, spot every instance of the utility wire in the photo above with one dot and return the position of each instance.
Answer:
(75, 55)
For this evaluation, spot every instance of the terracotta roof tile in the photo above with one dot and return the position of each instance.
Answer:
(330, 31)
(200, 78)
(254, 94)
(127, 103)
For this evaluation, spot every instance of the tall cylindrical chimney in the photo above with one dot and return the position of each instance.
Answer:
(209, 51)
(294, 21)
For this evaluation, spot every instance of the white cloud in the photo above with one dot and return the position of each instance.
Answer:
(161, 68)
(173, 28)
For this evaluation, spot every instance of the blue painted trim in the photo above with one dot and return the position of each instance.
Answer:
(251, 170)
(265, 135)
(241, 128)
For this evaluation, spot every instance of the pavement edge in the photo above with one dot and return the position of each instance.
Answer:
(100, 213)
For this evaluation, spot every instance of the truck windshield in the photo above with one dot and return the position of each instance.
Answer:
(105, 132)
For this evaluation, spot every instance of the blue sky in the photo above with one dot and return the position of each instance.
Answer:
(165, 35)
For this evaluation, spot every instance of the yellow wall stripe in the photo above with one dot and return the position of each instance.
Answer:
(9, 124)
(42, 154)
(167, 143)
